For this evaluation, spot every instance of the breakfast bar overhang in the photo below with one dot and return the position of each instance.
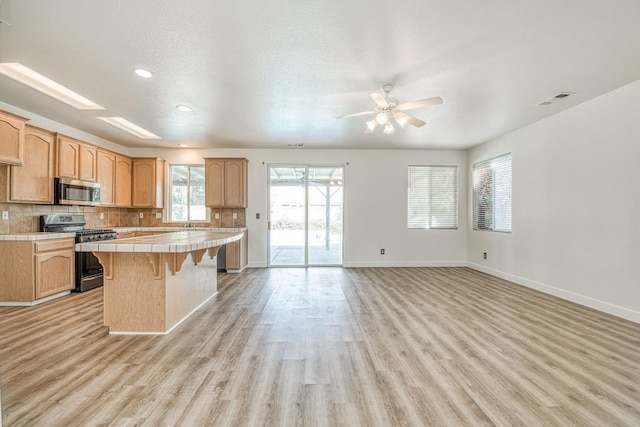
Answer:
(153, 283)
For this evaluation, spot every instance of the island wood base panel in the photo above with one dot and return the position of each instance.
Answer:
(143, 296)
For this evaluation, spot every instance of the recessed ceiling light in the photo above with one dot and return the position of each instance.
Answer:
(37, 81)
(127, 126)
(184, 108)
(182, 145)
(142, 72)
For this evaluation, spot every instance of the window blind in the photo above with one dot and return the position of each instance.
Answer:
(432, 200)
(492, 194)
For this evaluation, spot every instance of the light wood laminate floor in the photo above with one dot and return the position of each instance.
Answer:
(325, 347)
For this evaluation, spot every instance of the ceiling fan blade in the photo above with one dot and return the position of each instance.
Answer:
(379, 99)
(420, 103)
(403, 118)
(362, 113)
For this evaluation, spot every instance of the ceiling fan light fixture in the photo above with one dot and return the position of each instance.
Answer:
(371, 126)
(388, 110)
(388, 128)
(401, 120)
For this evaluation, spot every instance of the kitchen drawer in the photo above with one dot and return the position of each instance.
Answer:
(54, 244)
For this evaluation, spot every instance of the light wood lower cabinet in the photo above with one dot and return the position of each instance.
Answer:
(54, 267)
(36, 269)
(237, 254)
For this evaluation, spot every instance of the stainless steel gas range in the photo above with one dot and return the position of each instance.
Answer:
(88, 269)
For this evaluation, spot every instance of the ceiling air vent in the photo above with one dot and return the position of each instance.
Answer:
(295, 145)
(558, 97)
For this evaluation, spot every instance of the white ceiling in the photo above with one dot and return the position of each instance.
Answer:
(272, 73)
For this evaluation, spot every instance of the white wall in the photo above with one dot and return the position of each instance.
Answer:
(576, 205)
(375, 202)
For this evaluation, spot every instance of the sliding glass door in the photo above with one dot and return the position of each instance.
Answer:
(305, 215)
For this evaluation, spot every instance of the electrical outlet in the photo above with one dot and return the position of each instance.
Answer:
(217, 216)
(5, 214)
(381, 251)
(141, 215)
(235, 215)
(484, 255)
(257, 216)
(101, 215)
(158, 215)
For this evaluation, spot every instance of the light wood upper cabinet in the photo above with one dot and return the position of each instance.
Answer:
(123, 181)
(88, 163)
(33, 182)
(76, 160)
(147, 183)
(214, 182)
(106, 176)
(235, 183)
(68, 158)
(226, 182)
(12, 130)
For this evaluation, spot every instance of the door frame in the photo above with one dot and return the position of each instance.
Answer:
(306, 166)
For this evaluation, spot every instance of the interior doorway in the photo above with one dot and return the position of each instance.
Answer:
(305, 215)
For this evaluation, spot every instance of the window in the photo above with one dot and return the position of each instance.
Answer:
(432, 200)
(492, 194)
(186, 194)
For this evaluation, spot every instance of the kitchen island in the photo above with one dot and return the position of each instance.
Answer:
(153, 283)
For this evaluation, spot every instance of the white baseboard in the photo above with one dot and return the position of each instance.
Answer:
(596, 304)
(355, 264)
(257, 265)
(33, 303)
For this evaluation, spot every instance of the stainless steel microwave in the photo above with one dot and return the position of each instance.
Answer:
(74, 192)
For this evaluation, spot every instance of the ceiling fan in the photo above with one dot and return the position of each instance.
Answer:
(388, 108)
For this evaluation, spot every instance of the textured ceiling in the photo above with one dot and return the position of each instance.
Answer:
(268, 74)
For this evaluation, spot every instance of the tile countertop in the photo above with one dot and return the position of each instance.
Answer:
(35, 236)
(177, 242)
(122, 230)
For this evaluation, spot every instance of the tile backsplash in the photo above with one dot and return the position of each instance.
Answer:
(25, 218)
